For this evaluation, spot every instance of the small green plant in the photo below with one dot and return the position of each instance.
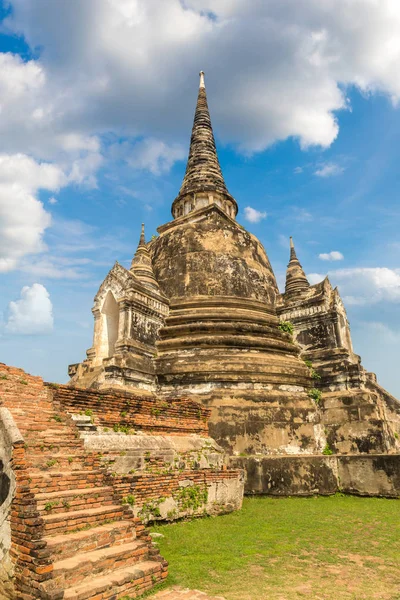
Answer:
(50, 505)
(66, 504)
(57, 418)
(192, 497)
(23, 381)
(53, 385)
(396, 435)
(70, 459)
(327, 450)
(123, 414)
(313, 372)
(88, 412)
(51, 462)
(315, 394)
(3, 377)
(118, 428)
(129, 499)
(286, 326)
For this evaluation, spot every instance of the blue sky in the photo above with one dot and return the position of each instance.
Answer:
(96, 108)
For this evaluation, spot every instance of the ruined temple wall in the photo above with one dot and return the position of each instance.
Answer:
(390, 405)
(180, 494)
(157, 452)
(115, 409)
(363, 475)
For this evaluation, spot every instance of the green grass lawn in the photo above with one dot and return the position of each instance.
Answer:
(330, 548)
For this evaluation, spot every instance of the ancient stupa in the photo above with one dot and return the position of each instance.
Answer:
(199, 315)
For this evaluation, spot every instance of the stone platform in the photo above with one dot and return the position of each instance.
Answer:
(306, 475)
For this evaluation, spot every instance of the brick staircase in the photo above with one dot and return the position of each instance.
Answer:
(71, 536)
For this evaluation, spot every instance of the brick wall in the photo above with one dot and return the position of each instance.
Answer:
(113, 409)
(177, 494)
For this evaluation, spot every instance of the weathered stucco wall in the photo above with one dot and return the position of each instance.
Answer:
(364, 475)
(212, 256)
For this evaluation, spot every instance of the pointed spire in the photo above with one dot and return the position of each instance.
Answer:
(203, 171)
(296, 280)
(142, 266)
(292, 250)
(142, 241)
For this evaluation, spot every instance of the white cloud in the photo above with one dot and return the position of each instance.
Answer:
(329, 170)
(253, 215)
(52, 200)
(298, 170)
(362, 286)
(333, 255)
(284, 65)
(154, 155)
(23, 218)
(32, 314)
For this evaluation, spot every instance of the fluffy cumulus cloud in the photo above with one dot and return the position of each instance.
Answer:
(334, 255)
(149, 155)
(109, 70)
(283, 64)
(23, 218)
(32, 314)
(253, 215)
(363, 286)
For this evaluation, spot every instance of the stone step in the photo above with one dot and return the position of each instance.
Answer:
(70, 500)
(75, 569)
(53, 481)
(66, 545)
(55, 445)
(70, 462)
(70, 521)
(132, 581)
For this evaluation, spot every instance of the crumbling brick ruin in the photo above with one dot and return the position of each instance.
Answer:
(81, 473)
(200, 371)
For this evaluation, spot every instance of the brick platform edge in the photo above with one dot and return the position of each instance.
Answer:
(70, 536)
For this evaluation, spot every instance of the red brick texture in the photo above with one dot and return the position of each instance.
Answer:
(71, 536)
(146, 413)
(148, 489)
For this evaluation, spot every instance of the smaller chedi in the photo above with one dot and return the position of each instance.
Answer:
(199, 314)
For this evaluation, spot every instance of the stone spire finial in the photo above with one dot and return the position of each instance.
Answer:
(142, 241)
(202, 84)
(203, 172)
(296, 280)
(142, 266)
(292, 250)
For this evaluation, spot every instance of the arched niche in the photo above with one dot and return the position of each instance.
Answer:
(110, 323)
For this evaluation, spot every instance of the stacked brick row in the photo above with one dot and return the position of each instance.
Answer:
(147, 413)
(147, 488)
(71, 536)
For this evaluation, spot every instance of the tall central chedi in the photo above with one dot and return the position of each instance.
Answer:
(222, 326)
(199, 314)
